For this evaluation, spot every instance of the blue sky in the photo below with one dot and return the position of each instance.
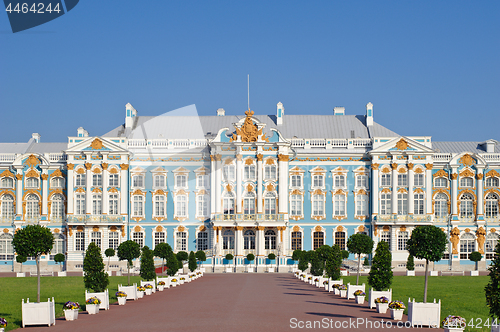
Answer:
(429, 67)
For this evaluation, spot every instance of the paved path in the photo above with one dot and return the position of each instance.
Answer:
(229, 302)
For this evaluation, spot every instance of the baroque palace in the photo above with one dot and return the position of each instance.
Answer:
(249, 184)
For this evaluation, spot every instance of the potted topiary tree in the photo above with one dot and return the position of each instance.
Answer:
(229, 261)
(59, 259)
(332, 268)
(272, 261)
(162, 250)
(201, 257)
(181, 257)
(110, 252)
(492, 289)
(192, 262)
(21, 259)
(94, 277)
(475, 256)
(250, 259)
(380, 276)
(128, 250)
(147, 271)
(410, 266)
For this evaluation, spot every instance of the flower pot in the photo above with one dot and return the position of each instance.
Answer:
(21, 274)
(140, 294)
(122, 300)
(71, 314)
(336, 291)
(343, 293)
(360, 299)
(382, 307)
(149, 291)
(160, 287)
(92, 309)
(410, 273)
(2, 329)
(61, 274)
(474, 273)
(397, 314)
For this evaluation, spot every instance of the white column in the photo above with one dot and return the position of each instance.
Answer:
(239, 240)
(238, 183)
(105, 199)
(45, 192)
(428, 189)
(19, 193)
(88, 191)
(259, 183)
(394, 188)
(283, 183)
(411, 202)
(70, 181)
(374, 189)
(454, 191)
(218, 183)
(260, 241)
(124, 189)
(212, 184)
(480, 194)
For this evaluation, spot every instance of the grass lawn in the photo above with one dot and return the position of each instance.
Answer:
(462, 296)
(63, 289)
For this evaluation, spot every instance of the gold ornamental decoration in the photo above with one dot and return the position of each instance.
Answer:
(124, 167)
(467, 160)
(493, 173)
(410, 166)
(249, 131)
(296, 228)
(32, 174)
(70, 166)
(56, 173)
(6, 173)
(202, 228)
(440, 173)
(45, 177)
(283, 157)
(375, 166)
(480, 236)
(104, 166)
(259, 157)
(96, 144)
(479, 176)
(159, 228)
(88, 166)
(402, 144)
(428, 167)
(402, 229)
(137, 228)
(394, 166)
(466, 173)
(19, 176)
(455, 238)
(454, 176)
(32, 161)
(319, 229)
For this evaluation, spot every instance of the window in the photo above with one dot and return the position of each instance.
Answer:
(269, 240)
(296, 240)
(441, 183)
(202, 241)
(97, 180)
(80, 180)
(491, 182)
(228, 203)
(296, 181)
(270, 172)
(159, 181)
(113, 204)
(386, 236)
(386, 179)
(181, 206)
(138, 181)
(79, 241)
(138, 237)
(57, 247)
(385, 204)
(228, 172)
(181, 181)
(418, 180)
(181, 241)
(113, 180)
(418, 206)
(57, 207)
(159, 206)
(466, 182)
(318, 207)
(57, 182)
(441, 205)
(138, 208)
(318, 181)
(361, 205)
(339, 205)
(7, 183)
(31, 183)
(340, 240)
(113, 240)
(7, 207)
(402, 180)
(202, 181)
(491, 206)
(402, 238)
(270, 203)
(467, 245)
(80, 204)
(96, 204)
(466, 206)
(296, 205)
(362, 181)
(402, 203)
(95, 237)
(159, 238)
(249, 240)
(6, 248)
(249, 203)
(491, 244)
(249, 172)
(203, 205)
(228, 240)
(32, 207)
(318, 240)
(339, 181)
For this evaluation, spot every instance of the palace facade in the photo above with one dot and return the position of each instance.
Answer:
(249, 184)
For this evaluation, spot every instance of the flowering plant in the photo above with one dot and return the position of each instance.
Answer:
(325, 282)
(310, 278)
(303, 276)
(161, 283)
(382, 299)
(121, 294)
(183, 278)
(316, 280)
(397, 305)
(141, 288)
(148, 286)
(198, 273)
(3, 322)
(190, 276)
(336, 286)
(454, 322)
(342, 287)
(93, 300)
(296, 273)
(71, 305)
(359, 292)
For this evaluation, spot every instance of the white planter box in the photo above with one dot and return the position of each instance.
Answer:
(161, 287)
(122, 300)
(250, 269)
(343, 293)
(21, 274)
(149, 291)
(270, 269)
(140, 294)
(352, 288)
(229, 269)
(344, 273)
(397, 314)
(71, 314)
(360, 299)
(103, 296)
(92, 309)
(373, 294)
(425, 314)
(61, 274)
(334, 282)
(474, 273)
(131, 291)
(42, 313)
(410, 273)
(382, 307)
(166, 280)
(433, 273)
(151, 282)
(118, 273)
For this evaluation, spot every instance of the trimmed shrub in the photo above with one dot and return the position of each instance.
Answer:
(229, 257)
(192, 261)
(250, 257)
(94, 278)
(333, 263)
(147, 264)
(380, 276)
(410, 263)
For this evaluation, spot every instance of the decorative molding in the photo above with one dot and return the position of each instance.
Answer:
(466, 173)
(270, 187)
(249, 161)
(104, 166)
(80, 170)
(454, 176)
(375, 166)
(96, 144)
(202, 228)
(386, 190)
(270, 161)
(402, 144)
(493, 173)
(386, 170)
(88, 166)
(249, 132)
(479, 176)
(419, 170)
(259, 156)
(124, 167)
(402, 229)
(137, 228)
(32, 174)
(19, 176)
(32, 161)
(394, 166)
(283, 157)
(296, 228)
(467, 160)
(429, 167)
(440, 173)
(239, 157)
(410, 166)
(6, 173)
(402, 170)
(45, 177)
(159, 228)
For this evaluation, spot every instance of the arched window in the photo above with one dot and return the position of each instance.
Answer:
(318, 240)
(58, 246)
(402, 203)
(467, 245)
(80, 180)
(159, 237)
(340, 240)
(339, 205)
(229, 172)
(402, 239)
(32, 207)
(138, 237)
(57, 182)
(270, 203)
(57, 207)
(80, 203)
(228, 203)
(339, 181)
(418, 203)
(249, 172)
(32, 183)
(296, 240)
(270, 172)
(180, 241)
(466, 182)
(113, 240)
(95, 237)
(138, 208)
(318, 205)
(228, 239)
(202, 206)
(6, 248)
(113, 204)
(491, 182)
(159, 202)
(269, 240)
(441, 205)
(296, 205)
(249, 240)
(491, 206)
(491, 244)
(466, 206)
(202, 241)
(441, 183)
(181, 205)
(7, 207)
(249, 203)
(385, 203)
(386, 236)
(97, 204)
(7, 183)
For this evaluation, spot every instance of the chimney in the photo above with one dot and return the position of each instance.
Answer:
(131, 113)
(339, 111)
(36, 137)
(369, 114)
(82, 132)
(221, 112)
(489, 145)
(280, 112)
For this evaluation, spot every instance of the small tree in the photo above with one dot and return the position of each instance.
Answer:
(182, 256)
(410, 263)
(21, 259)
(271, 256)
(359, 244)
(475, 256)
(250, 258)
(201, 256)
(345, 254)
(110, 252)
(32, 241)
(366, 262)
(333, 263)
(93, 267)
(380, 276)
(147, 264)
(317, 266)
(229, 257)
(128, 251)
(162, 250)
(427, 242)
(192, 261)
(59, 259)
(296, 254)
(172, 264)
(492, 289)
(303, 261)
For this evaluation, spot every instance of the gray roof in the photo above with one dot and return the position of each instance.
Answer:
(13, 147)
(48, 147)
(300, 126)
(459, 147)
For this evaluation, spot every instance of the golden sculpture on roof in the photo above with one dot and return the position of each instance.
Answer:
(402, 144)
(249, 131)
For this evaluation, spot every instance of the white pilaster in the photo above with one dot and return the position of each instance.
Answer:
(411, 202)
(45, 192)
(105, 199)
(428, 190)
(218, 183)
(70, 185)
(88, 192)
(454, 191)
(238, 183)
(259, 183)
(480, 193)
(19, 192)
(375, 189)
(260, 241)
(124, 189)
(239, 240)
(212, 185)
(394, 188)
(283, 184)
